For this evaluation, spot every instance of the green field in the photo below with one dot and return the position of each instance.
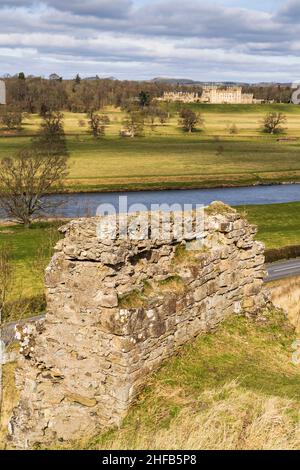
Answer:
(279, 226)
(166, 157)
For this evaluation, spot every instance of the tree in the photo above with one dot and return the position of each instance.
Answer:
(144, 99)
(152, 113)
(133, 124)
(163, 116)
(12, 119)
(233, 129)
(188, 119)
(77, 79)
(272, 123)
(26, 179)
(98, 123)
(51, 136)
(21, 76)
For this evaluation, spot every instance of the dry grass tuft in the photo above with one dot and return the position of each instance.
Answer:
(286, 295)
(225, 418)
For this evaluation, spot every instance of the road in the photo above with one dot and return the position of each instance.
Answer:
(283, 269)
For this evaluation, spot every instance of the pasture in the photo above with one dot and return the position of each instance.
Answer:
(166, 157)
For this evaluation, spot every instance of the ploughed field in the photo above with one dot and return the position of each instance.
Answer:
(167, 157)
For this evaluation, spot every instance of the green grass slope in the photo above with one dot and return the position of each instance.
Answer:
(235, 388)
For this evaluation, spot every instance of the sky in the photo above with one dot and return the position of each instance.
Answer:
(206, 40)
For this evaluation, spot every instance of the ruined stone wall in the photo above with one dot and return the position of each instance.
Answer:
(116, 310)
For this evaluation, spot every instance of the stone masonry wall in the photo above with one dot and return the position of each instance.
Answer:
(116, 310)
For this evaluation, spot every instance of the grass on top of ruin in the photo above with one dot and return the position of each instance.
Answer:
(234, 388)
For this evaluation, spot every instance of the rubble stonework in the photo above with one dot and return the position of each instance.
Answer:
(115, 310)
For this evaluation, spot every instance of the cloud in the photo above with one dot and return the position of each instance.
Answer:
(289, 12)
(98, 8)
(161, 37)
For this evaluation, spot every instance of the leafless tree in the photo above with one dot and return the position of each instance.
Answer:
(98, 123)
(233, 129)
(163, 116)
(272, 123)
(11, 119)
(188, 119)
(26, 179)
(133, 124)
(51, 135)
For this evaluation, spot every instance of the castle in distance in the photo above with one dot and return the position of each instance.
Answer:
(213, 94)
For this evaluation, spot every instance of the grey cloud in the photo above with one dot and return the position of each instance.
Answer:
(98, 8)
(162, 37)
(289, 12)
(196, 18)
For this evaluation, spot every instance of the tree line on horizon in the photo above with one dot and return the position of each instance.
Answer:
(40, 95)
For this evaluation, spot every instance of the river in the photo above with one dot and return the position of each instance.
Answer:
(84, 204)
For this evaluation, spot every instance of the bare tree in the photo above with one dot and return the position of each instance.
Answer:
(272, 123)
(11, 119)
(133, 124)
(152, 113)
(189, 119)
(98, 123)
(233, 129)
(51, 136)
(26, 179)
(163, 116)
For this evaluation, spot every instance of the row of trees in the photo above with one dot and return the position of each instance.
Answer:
(134, 122)
(38, 95)
(272, 123)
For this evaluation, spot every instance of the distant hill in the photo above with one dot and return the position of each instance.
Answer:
(97, 77)
(173, 81)
(187, 81)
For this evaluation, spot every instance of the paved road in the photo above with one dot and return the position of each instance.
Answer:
(283, 269)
